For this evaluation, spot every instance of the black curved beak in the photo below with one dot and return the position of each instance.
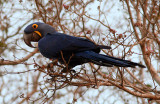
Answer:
(32, 37)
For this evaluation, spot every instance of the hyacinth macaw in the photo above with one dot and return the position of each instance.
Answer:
(68, 49)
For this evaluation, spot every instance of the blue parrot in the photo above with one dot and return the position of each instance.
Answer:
(68, 49)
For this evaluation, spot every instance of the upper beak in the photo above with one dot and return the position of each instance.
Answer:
(32, 37)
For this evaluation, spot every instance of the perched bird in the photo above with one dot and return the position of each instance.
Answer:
(70, 50)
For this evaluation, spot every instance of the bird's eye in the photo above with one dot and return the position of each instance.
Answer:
(35, 26)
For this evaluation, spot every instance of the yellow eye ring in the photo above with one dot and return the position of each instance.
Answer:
(35, 26)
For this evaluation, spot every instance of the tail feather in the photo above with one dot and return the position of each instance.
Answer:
(127, 61)
(104, 47)
(106, 60)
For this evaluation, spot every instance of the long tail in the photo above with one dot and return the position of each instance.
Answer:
(106, 60)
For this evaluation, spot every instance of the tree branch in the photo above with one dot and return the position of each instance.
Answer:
(7, 62)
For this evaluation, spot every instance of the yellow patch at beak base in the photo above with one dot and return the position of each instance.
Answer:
(38, 33)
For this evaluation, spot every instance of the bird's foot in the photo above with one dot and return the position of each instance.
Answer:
(71, 71)
(68, 70)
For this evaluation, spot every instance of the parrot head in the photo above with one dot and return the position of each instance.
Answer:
(35, 31)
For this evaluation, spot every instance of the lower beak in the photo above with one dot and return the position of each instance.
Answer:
(33, 37)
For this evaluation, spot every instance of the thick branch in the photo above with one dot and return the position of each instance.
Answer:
(7, 62)
(146, 95)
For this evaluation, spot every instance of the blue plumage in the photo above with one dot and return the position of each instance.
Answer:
(70, 49)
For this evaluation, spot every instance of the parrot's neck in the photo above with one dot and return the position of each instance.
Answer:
(49, 29)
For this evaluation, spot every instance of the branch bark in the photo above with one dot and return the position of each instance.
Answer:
(7, 62)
